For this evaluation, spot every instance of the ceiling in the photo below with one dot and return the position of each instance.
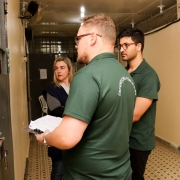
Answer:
(62, 17)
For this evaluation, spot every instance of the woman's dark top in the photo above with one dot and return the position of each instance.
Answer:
(56, 98)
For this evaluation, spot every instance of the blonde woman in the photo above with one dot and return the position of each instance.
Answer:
(56, 94)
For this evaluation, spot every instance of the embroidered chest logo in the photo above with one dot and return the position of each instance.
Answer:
(122, 80)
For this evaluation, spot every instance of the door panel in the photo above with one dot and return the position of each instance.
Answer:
(5, 128)
(37, 85)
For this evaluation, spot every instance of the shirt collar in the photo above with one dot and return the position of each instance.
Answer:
(102, 56)
(139, 69)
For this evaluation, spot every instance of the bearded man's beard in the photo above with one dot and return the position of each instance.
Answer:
(83, 59)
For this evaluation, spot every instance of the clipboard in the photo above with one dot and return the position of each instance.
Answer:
(33, 131)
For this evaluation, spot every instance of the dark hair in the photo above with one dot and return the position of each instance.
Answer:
(136, 35)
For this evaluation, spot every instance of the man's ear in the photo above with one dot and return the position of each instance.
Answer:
(139, 46)
(93, 39)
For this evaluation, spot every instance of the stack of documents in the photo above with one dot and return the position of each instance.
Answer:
(44, 123)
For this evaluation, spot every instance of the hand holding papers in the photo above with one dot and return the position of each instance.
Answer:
(41, 124)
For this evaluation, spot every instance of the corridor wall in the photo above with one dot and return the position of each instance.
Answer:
(18, 91)
(162, 51)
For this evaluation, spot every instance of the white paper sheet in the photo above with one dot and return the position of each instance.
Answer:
(43, 73)
(46, 122)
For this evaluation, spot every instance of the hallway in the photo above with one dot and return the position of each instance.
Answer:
(163, 164)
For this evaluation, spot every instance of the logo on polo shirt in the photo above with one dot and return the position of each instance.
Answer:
(122, 80)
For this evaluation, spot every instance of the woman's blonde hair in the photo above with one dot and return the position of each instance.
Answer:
(70, 68)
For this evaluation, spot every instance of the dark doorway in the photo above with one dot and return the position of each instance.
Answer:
(38, 62)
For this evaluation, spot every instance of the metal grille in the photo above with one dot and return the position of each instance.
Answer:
(64, 46)
(169, 15)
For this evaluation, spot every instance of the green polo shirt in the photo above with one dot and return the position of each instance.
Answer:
(102, 94)
(147, 86)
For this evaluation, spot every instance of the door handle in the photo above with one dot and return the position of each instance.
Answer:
(3, 152)
(5, 159)
(2, 139)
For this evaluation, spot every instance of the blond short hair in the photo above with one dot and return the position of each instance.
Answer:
(104, 25)
(70, 68)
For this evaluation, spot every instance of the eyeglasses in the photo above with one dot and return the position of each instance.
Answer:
(124, 46)
(77, 38)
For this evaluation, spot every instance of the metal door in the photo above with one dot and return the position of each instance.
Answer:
(6, 148)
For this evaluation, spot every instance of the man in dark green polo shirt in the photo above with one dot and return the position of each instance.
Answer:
(142, 137)
(94, 132)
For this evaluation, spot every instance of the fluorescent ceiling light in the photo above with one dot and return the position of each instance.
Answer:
(82, 14)
(82, 9)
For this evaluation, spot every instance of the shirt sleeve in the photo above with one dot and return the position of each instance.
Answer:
(149, 86)
(83, 97)
(54, 106)
(52, 102)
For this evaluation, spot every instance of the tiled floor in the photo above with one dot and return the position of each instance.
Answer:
(163, 163)
(39, 166)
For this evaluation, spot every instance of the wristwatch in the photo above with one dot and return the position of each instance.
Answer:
(44, 140)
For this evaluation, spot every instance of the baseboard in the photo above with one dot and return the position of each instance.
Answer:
(167, 143)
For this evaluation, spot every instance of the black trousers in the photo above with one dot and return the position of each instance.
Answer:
(57, 169)
(138, 163)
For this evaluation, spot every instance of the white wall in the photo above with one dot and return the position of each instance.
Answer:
(18, 97)
(162, 51)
